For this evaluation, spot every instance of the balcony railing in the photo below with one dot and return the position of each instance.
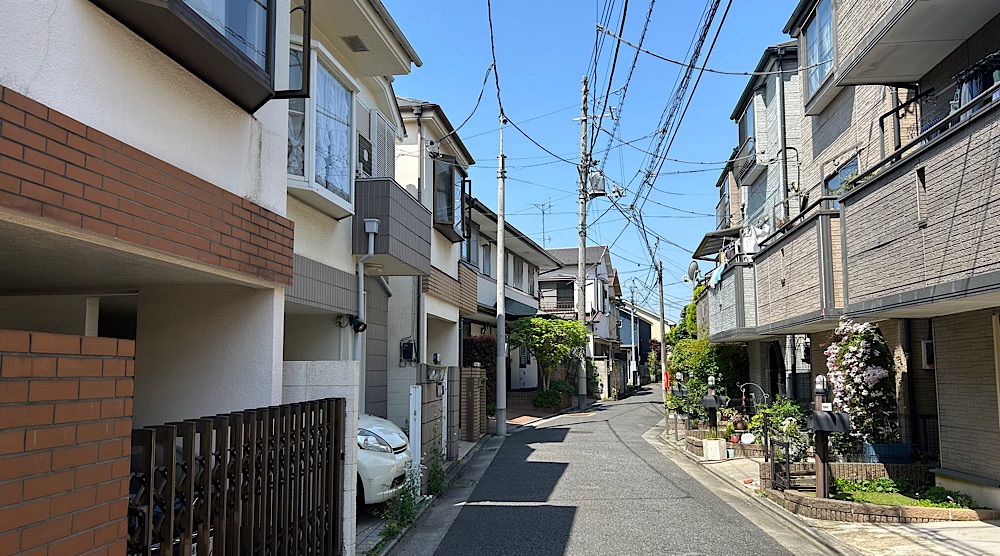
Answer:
(559, 306)
(263, 481)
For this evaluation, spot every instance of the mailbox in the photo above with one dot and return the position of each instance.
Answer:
(829, 421)
(714, 402)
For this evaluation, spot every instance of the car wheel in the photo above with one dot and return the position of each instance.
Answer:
(361, 492)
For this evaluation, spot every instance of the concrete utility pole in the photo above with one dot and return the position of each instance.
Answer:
(635, 338)
(581, 296)
(501, 293)
(663, 330)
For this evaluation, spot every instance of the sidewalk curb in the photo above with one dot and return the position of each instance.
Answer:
(821, 537)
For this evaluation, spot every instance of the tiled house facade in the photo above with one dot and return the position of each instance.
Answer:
(897, 211)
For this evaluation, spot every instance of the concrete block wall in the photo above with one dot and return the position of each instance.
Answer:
(65, 437)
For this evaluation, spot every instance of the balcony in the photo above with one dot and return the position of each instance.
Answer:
(732, 304)
(912, 38)
(229, 44)
(922, 224)
(798, 274)
(403, 242)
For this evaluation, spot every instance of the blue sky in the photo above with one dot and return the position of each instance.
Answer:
(543, 48)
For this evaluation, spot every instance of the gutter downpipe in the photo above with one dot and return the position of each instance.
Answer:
(904, 338)
(790, 349)
(371, 228)
(418, 282)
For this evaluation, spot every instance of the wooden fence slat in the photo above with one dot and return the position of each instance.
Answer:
(140, 541)
(234, 482)
(266, 481)
(203, 484)
(185, 486)
(164, 483)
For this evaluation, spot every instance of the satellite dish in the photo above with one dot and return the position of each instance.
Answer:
(693, 272)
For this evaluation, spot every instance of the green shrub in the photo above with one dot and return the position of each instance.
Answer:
(547, 399)
(436, 479)
(941, 495)
(562, 386)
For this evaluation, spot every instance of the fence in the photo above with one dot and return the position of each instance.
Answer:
(263, 481)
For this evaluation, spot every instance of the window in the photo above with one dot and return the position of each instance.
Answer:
(819, 47)
(518, 273)
(507, 278)
(747, 127)
(242, 22)
(470, 246)
(565, 295)
(325, 151)
(836, 183)
(487, 260)
(524, 360)
(532, 271)
(449, 185)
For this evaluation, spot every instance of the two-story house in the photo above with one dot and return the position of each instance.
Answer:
(525, 259)
(559, 293)
(426, 312)
(152, 176)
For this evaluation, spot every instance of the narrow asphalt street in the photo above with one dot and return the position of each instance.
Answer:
(595, 483)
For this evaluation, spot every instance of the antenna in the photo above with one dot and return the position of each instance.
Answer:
(693, 272)
(543, 207)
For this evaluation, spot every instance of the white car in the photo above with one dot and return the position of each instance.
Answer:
(383, 457)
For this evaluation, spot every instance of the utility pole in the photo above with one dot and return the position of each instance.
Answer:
(581, 294)
(501, 293)
(663, 330)
(635, 337)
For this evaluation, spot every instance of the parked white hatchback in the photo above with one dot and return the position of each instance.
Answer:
(383, 457)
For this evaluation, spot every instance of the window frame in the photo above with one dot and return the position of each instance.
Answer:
(487, 265)
(518, 273)
(824, 79)
(839, 175)
(320, 57)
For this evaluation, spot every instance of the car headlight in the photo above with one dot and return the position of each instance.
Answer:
(367, 440)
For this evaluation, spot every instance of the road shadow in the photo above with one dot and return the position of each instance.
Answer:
(507, 512)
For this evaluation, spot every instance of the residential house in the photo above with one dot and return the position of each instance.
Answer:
(559, 294)
(897, 172)
(919, 217)
(426, 312)
(759, 192)
(525, 259)
(150, 187)
(638, 326)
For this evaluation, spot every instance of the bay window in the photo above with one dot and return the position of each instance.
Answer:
(819, 47)
(320, 146)
(449, 191)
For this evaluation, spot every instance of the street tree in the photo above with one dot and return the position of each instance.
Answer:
(550, 341)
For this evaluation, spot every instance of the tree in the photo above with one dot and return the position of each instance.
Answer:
(551, 341)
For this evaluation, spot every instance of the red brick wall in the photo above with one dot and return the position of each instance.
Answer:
(57, 168)
(65, 433)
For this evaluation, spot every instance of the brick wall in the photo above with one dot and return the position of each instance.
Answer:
(65, 429)
(60, 170)
(967, 393)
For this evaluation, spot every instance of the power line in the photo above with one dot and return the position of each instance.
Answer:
(638, 48)
(474, 108)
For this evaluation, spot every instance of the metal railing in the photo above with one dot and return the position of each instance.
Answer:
(262, 481)
(981, 103)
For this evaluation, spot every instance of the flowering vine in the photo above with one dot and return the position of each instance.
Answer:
(862, 375)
